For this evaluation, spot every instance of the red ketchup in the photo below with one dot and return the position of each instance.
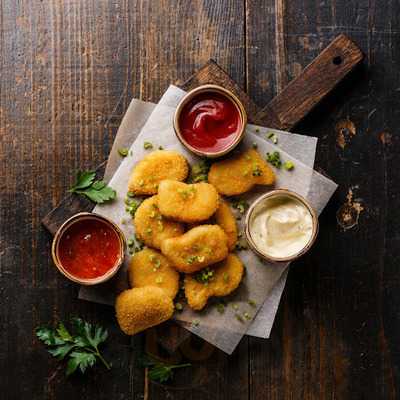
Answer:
(89, 248)
(210, 122)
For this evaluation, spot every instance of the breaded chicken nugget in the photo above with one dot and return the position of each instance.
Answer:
(240, 173)
(141, 308)
(152, 169)
(227, 221)
(151, 227)
(150, 268)
(197, 248)
(187, 203)
(218, 280)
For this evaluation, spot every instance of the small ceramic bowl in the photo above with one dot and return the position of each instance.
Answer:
(258, 203)
(64, 228)
(221, 91)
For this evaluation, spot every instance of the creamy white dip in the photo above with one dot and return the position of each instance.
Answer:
(281, 226)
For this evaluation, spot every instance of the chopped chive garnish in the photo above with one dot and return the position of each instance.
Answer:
(147, 145)
(123, 151)
(252, 303)
(220, 308)
(288, 165)
(178, 306)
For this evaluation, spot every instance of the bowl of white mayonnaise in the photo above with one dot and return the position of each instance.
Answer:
(281, 226)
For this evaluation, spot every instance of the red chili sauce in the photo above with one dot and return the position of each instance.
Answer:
(210, 122)
(89, 248)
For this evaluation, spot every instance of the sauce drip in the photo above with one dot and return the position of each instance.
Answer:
(88, 249)
(210, 122)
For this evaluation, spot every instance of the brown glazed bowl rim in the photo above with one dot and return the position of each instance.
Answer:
(63, 228)
(216, 89)
(274, 193)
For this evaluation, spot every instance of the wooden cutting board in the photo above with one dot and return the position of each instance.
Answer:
(287, 109)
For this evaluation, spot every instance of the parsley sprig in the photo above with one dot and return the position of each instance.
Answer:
(159, 371)
(81, 348)
(96, 191)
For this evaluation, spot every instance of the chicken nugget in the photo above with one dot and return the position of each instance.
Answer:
(151, 227)
(197, 248)
(140, 308)
(150, 268)
(218, 280)
(152, 169)
(187, 203)
(238, 174)
(227, 221)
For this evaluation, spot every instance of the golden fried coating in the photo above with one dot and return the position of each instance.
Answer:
(141, 308)
(152, 169)
(187, 203)
(151, 227)
(197, 248)
(150, 268)
(238, 174)
(220, 280)
(227, 221)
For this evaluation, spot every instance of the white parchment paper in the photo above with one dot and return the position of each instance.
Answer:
(261, 277)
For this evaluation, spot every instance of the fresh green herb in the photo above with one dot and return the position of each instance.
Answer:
(255, 145)
(195, 323)
(147, 145)
(252, 303)
(257, 129)
(131, 205)
(274, 159)
(239, 317)
(178, 306)
(131, 195)
(225, 277)
(204, 276)
(241, 244)
(134, 245)
(96, 191)
(288, 165)
(220, 307)
(241, 205)
(191, 259)
(247, 316)
(235, 307)
(123, 151)
(80, 348)
(256, 170)
(273, 137)
(199, 172)
(187, 193)
(155, 261)
(159, 371)
(160, 148)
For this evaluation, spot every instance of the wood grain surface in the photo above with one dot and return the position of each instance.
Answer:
(69, 69)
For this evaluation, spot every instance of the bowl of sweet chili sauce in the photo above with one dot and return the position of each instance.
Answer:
(210, 121)
(88, 248)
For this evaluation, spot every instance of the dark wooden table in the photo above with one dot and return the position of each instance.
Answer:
(68, 72)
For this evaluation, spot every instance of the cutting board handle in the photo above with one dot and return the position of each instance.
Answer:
(316, 81)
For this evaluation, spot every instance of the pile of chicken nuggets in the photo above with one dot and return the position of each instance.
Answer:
(189, 231)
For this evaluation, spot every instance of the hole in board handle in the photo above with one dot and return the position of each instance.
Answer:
(337, 60)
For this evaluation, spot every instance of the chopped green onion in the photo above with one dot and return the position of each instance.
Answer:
(288, 165)
(147, 145)
(123, 151)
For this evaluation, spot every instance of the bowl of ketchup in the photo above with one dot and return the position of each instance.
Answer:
(210, 121)
(88, 248)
